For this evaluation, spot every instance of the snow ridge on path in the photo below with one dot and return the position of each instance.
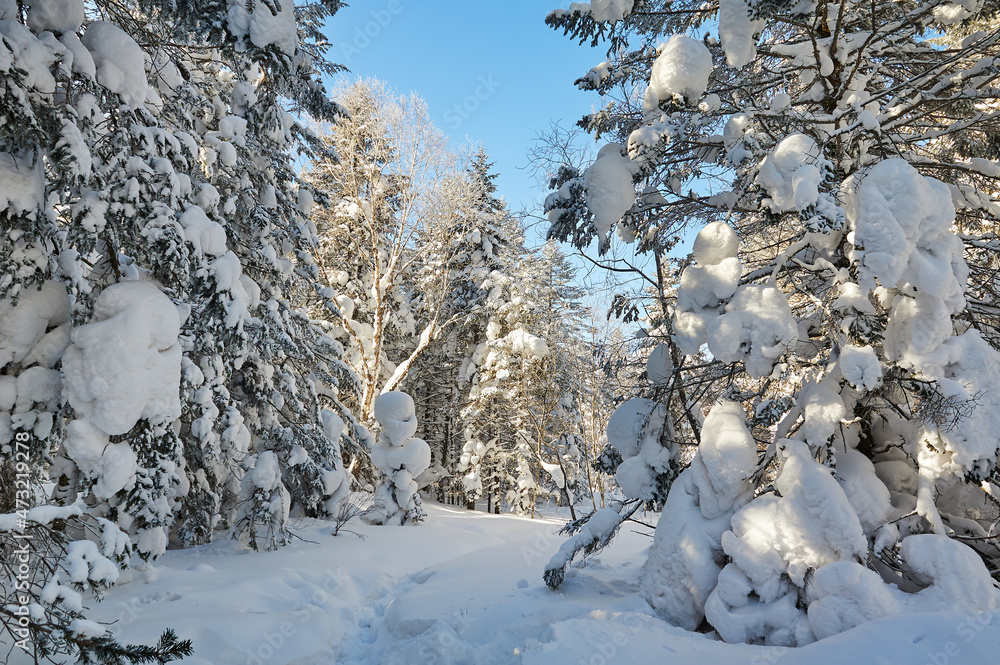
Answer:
(465, 588)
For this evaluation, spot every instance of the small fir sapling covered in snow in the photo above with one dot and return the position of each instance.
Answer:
(401, 457)
(264, 504)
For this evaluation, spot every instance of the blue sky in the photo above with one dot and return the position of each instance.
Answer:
(491, 72)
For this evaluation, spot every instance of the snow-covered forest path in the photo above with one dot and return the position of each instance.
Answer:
(462, 588)
(487, 605)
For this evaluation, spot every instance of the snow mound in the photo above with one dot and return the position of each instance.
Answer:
(635, 429)
(527, 345)
(682, 568)
(970, 375)
(659, 366)
(726, 457)
(776, 540)
(208, 237)
(126, 363)
(860, 366)
(715, 243)
(681, 69)
(113, 466)
(736, 31)
(23, 50)
(954, 576)
(394, 412)
(120, 62)
(23, 178)
(848, 595)
(23, 326)
(810, 525)
(867, 494)
(901, 224)
(683, 565)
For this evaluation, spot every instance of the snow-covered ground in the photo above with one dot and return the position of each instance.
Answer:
(465, 587)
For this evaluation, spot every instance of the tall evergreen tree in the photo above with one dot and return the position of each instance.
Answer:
(154, 234)
(523, 416)
(472, 249)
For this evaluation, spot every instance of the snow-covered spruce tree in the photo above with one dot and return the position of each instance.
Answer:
(522, 420)
(496, 461)
(264, 377)
(153, 233)
(836, 153)
(550, 421)
(470, 254)
(401, 457)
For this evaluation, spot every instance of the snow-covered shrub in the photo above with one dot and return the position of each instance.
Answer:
(261, 521)
(401, 457)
